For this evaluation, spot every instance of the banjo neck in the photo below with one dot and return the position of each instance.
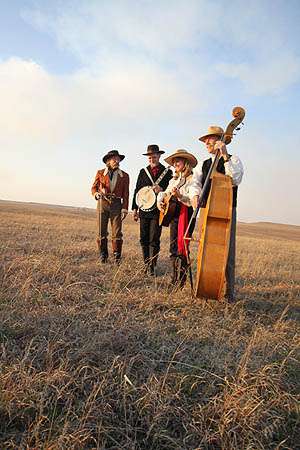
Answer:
(159, 179)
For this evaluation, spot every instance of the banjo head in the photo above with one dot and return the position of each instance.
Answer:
(146, 198)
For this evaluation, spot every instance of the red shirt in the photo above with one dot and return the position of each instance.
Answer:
(154, 171)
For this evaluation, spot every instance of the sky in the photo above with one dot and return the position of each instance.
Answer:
(79, 78)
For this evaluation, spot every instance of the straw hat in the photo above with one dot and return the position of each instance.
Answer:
(182, 154)
(214, 130)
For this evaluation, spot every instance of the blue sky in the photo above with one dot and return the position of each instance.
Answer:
(78, 78)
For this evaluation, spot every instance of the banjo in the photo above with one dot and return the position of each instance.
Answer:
(146, 198)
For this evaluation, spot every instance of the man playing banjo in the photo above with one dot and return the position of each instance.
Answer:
(151, 180)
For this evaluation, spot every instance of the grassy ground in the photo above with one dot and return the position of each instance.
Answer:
(102, 357)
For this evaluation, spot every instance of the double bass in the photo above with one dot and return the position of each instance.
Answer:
(215, 223)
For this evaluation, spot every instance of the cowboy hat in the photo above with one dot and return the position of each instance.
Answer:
(112, 153)
(184, 155)
(214, 130)
(153, 149)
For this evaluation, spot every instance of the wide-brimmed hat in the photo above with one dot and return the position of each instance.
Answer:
(182, 154)
(153, 149)
(112, 153)
(214, 130)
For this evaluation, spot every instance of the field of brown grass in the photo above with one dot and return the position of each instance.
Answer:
(100, 357)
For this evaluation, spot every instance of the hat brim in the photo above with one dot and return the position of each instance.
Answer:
(202, 138)
(160, 152)
(191, 158)
(227, 138)
(106, 157)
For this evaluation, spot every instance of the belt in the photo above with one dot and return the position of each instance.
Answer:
(110, 197)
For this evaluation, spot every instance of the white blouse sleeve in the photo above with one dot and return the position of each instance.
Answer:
(196, 185)
(161, 195)
(234, 168)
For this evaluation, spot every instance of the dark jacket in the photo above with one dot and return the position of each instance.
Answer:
(143, 180)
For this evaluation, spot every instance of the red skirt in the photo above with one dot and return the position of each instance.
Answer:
(183, 222)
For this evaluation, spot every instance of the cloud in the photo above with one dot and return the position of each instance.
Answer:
(249, 44)
(106, 29)
(269, 78)
(32, 102)
(37, 105)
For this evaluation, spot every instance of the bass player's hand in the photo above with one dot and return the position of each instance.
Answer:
(219, 145)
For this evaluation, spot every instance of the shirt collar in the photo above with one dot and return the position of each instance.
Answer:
(118, 171)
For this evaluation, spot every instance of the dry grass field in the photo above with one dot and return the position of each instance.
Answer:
(100, 357)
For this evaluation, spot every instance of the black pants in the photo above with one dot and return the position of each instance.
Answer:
(150, 233)
(230, 267)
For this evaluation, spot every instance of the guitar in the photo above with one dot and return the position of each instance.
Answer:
(170, 203)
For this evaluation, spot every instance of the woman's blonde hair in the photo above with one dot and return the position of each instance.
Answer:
(187, 168)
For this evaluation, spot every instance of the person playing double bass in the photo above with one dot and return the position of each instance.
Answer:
(151, 180)
(183, 191)
(229, 165)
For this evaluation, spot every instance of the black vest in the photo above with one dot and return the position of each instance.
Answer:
(220, 168)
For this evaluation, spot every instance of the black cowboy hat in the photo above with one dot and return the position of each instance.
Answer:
(152, 150)
(112, 153)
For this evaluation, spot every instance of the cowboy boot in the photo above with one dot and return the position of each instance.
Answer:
(174, 278)
(183, 268)
(173, 284)
(103, 250)
(153, 263)
(146, 257)
(117, 250)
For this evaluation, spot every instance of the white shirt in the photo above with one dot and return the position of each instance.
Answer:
(187, 190)
(233, 168)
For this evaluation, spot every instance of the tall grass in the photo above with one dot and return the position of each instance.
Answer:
(102, 357)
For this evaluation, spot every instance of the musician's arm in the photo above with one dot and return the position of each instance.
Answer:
(137, 188)
(125, 195)
(161, 195)
(95, 186)
(234, 168)
(196, 186)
